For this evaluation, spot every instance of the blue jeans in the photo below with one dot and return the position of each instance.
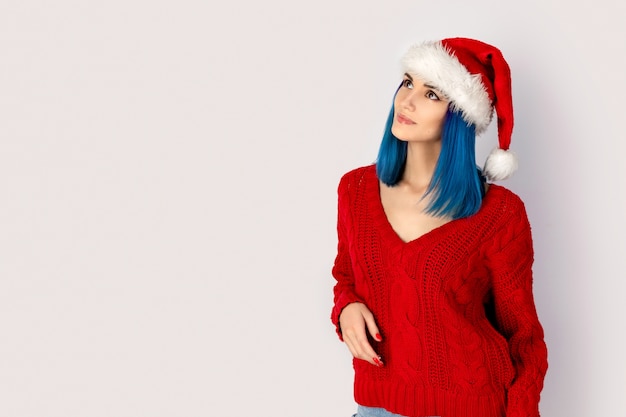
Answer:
(374, 412)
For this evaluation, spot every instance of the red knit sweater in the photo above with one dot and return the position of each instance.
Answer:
(461, 337)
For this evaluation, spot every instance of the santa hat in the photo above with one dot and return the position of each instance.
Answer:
(477, 80)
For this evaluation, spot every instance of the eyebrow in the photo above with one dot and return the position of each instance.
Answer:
(406, 74)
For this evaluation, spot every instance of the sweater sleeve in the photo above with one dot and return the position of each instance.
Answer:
(511, 267)
(343, 290)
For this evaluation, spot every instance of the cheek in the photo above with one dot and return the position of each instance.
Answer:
(435, 123)
(400, 96)
(440, 124)
(438, 118)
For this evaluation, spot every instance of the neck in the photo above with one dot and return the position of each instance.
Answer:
(420, 165)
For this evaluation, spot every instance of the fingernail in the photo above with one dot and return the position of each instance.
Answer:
(377, 361)
(379, 337)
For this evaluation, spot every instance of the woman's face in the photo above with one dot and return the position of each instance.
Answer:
(420, 111)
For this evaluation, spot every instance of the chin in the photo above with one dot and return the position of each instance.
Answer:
(399, 134)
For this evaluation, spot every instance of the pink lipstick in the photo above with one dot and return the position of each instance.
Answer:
(404, 120)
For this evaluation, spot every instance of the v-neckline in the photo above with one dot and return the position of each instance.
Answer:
(385, 227)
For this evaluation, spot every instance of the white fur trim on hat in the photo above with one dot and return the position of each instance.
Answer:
(500, 165)
(436, 65)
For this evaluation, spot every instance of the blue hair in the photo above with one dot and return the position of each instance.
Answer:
(457, 186)
(391, 155)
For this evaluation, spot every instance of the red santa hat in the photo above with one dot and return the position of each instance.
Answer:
(477, 80)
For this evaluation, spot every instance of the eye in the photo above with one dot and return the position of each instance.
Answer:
(431, 95)
(407, 83)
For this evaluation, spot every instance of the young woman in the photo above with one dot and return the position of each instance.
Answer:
(434, 282)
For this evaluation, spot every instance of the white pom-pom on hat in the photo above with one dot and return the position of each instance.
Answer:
(500, 165)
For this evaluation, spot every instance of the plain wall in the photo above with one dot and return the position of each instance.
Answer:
(168, 176)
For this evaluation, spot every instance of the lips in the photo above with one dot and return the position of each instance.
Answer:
(404, 120)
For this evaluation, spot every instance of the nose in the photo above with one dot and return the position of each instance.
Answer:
(407, 100)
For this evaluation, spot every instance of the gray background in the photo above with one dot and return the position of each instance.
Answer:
(168, 176)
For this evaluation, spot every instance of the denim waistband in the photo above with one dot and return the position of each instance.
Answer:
(363, 411)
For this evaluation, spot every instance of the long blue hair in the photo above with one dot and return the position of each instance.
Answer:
(457, 187)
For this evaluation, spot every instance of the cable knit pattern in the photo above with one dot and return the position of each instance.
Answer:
(461, 337)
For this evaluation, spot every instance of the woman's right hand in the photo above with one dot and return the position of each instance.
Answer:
(353, 320)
